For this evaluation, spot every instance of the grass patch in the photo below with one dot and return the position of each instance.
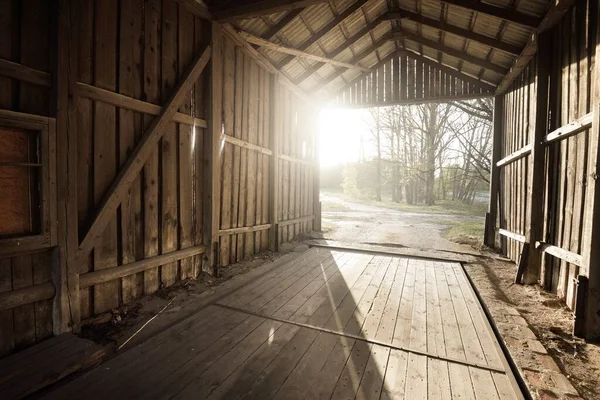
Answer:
(463, 232)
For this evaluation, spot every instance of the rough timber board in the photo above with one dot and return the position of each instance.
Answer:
(329, 324)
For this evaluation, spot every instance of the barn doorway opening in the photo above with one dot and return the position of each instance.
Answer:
(414, 176)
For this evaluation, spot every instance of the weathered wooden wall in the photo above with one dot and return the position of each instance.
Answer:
(25, 30)
(566, 164)
(138, 49)
(118, 64)
(409, 78)
(256, 109)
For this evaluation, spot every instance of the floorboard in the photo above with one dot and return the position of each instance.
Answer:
(329, 324)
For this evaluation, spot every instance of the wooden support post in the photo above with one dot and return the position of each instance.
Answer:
(591, 228)
(65, 274)
(314, 124)
(535, 188)
(276, 118)
(492, 215)
(212, 145)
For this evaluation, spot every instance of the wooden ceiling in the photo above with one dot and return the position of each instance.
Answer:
(322, 46)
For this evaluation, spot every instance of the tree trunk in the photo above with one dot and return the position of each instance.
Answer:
(378, 137)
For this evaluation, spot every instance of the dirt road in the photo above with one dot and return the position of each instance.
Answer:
(353, 222)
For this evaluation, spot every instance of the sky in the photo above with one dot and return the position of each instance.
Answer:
(339, 135)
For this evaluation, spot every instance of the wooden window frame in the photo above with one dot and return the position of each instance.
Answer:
(46, 128)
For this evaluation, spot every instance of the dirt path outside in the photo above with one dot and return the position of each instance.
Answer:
(354, 222)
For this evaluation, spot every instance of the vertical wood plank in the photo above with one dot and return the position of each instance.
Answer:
(591, 233)
(252, 101)
(276, 118)
(227, 168)
(130, 130)
(212, 147)
(85, 199)
(535, 188)
(6, 316)
(23, 316)
(186, 147)
(168, 144)
(491, 218)
(245, 94)
(106, 295)
(152, 51)
(237, 152)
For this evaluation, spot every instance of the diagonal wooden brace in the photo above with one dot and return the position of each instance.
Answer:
(130, 170)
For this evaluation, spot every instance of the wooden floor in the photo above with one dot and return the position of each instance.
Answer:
(330, 324)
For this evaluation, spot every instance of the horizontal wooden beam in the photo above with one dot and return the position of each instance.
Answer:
(561, 253)
(27, 295)
(427, 100)
(90, 279)
(296, 160)
(260, 7)
(325, 29)
(517, 155)
(498, 12)
(129, 103)
(570, 129)
(23, 73)
(446, 27)
(553, 16)
(296, 220)
(515, 236)
(134, 164)
(463, 55)
(246, 145)
(232, 34)
(244, 229)
(340, 48)
(298, 53)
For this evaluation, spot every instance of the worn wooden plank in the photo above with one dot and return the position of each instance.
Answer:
(237, 133)
(252, 136)
(104, 241)
(244, 122)
(130, 129)
(227, 167)
(186, 148)
(535, 188)
(168, 145)
(6, 316)
(85, 200)
(23, 316)
(150, 169)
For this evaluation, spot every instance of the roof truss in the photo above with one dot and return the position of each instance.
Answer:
(468, 34)
(262, 7)
(498, 12)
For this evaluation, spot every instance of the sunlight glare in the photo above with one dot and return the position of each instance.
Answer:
(339, 136)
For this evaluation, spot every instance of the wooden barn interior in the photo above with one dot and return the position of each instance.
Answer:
(146, 142)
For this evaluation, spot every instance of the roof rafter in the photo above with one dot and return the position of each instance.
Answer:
(498, 12)
(262, 7)
(374, 47)
(398, 35)
(343, 46)
(282, 49)
(466, 33)
(282, 23)
(324, 30)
